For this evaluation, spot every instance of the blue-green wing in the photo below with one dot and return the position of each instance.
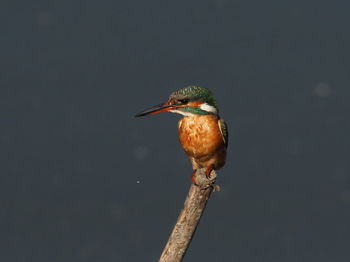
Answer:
(224, 131)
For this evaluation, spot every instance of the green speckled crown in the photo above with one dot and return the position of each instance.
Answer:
(195, 93)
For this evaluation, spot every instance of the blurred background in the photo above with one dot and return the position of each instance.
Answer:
(82, 180)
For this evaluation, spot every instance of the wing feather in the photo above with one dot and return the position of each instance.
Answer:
(223, 130)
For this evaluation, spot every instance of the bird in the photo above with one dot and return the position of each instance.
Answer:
(203, 134)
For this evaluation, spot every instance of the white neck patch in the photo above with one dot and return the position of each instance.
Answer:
(208, 108)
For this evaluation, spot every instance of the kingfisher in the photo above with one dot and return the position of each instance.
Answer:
(203, 134)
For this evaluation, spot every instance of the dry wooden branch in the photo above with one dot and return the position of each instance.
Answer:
(189, 217)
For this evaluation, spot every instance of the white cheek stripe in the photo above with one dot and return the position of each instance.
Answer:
(208, 108)
(182, 112)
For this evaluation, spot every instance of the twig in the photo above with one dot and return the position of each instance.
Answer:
(189, 217)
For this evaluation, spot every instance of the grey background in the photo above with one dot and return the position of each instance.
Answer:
(82, 180)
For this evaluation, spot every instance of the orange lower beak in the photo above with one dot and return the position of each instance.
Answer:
(156, 109)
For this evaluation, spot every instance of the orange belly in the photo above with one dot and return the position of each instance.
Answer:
(202, 141)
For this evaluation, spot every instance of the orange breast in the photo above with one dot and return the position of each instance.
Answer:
(201, 139)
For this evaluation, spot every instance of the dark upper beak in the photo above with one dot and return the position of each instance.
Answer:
(156, 109)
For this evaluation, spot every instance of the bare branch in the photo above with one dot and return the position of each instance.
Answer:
(189, 217)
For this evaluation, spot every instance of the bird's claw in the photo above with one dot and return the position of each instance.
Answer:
(208, 171)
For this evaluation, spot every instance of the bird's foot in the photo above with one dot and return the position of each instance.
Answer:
(208, 171)
(200, 179)
(194, 172)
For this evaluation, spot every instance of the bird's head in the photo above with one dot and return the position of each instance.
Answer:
(188, 101)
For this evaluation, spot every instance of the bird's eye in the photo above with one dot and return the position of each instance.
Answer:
(183, 101)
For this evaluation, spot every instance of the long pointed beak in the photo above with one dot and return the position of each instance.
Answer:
(156, 109)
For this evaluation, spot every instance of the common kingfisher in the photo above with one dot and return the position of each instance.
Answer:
(203, 134)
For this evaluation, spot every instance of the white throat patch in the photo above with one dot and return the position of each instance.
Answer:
(208, 108)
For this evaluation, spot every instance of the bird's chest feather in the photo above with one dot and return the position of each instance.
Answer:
(200, 135)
